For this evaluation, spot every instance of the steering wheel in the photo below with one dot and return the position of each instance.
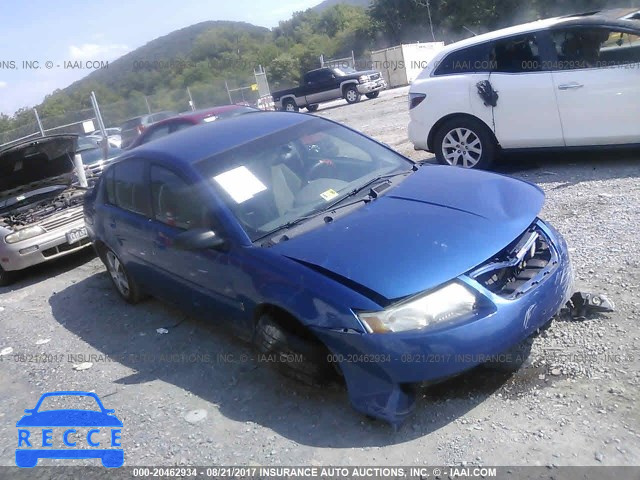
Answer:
(321, 165)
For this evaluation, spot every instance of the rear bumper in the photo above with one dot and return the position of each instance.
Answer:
(378, 366)
(418, 133)
(40, 249)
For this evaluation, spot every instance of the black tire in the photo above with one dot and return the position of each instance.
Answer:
(312, 108)
(6, 278)
(464, 155)
(373, 95)
(115, 268)
(303, 359)
(351, 94)
(289, 105)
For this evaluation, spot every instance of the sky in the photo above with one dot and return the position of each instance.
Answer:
(80, 31)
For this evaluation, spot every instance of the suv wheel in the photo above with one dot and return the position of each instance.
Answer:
(351, 94)
(312, 108)
(297, 357)
(465, 142)
(127, 288)
(6, 278)
(289, 106)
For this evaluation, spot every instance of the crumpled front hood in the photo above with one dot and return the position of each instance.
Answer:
(36, 161)
(434, 226)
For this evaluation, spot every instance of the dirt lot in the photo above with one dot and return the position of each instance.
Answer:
(197, 396)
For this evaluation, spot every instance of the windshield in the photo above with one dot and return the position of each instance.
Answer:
(296, 172)
(92, 155)
(343, 71)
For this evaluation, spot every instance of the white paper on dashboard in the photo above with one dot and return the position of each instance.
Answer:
(240, 183)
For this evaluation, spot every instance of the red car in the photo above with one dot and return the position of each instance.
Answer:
(189, 119)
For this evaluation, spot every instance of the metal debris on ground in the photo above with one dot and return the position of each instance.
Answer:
(162, 330)
(582, 303)
(42, 341)
(195, 416)
(83, 366)
(6, 351)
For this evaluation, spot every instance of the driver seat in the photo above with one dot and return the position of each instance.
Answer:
(286, 185)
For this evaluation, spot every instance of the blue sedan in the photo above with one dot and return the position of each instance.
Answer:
(332, 252)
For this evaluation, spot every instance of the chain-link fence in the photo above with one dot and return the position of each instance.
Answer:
(243, 91)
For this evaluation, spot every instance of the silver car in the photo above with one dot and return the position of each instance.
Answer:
(40, 205)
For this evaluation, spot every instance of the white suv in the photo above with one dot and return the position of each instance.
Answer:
(558, 83)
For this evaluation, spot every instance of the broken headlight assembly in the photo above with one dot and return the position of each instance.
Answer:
(24, 234)
(447, 303)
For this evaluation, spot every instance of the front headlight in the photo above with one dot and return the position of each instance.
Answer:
(24, 234)
(363, 79)
(447, 303)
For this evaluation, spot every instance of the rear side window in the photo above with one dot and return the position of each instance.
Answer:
(128, 189)
(175, 202)
(474, 59)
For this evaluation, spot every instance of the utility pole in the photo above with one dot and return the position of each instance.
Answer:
(39, 122)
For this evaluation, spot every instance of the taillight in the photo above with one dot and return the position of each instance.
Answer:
(416, 99)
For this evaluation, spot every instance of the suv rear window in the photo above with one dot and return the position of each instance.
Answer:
(474, 59)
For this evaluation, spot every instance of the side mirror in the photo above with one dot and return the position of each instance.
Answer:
(198, 239)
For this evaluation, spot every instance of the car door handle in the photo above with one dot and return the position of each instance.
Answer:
(570, 86)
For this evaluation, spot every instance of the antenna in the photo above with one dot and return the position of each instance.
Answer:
(469, 30)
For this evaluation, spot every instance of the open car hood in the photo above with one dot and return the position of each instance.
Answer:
(34, 162)
(434, 226)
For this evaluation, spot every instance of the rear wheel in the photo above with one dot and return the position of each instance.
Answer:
(312, 108)
(373, 95)
(289, 105)
(465, 142)
(351, 94)
(6, 278)
(126, 287)
(297, 354)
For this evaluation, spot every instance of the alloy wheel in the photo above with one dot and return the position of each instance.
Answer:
(119, 276)
(462, 147)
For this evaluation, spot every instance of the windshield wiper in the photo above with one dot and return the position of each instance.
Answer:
(372, 194)
(334, 205)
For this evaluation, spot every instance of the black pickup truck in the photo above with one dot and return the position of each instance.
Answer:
(327, 84)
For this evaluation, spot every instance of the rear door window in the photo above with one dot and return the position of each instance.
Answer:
(129, 190)
(518, 54)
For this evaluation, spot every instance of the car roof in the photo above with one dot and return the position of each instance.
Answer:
(198, 115)
(208, 139)
(612, 17)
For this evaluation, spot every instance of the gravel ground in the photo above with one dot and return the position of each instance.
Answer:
(197, 396)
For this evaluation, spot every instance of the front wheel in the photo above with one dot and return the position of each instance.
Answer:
(312, 108)
(351, 94)
(126, 287)
(373, 95)
(289, 106)
(466, 143)
(304, 359)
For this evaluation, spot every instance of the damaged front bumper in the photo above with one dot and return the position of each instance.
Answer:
(379, 368)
